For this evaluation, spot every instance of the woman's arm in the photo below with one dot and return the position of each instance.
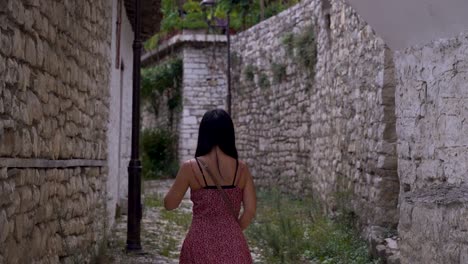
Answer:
(249, 201)
(178, 189)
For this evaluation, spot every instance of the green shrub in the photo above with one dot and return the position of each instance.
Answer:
(306, 48)
(158, 79)
(293, 230)
(302, 47)
(288, 42)
(243, 14)
(161, 77)
(159, 158)
(249, 72)
(263, 81)
(194, 18)
(279, 72)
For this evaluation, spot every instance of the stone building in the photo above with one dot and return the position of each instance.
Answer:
(203, 85)
(65, 92)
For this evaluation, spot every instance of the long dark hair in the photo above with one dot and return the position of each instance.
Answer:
(216, 129)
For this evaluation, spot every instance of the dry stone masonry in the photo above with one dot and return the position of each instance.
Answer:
(204, 88)
(54, 85)
(432, 108)
(327, 130)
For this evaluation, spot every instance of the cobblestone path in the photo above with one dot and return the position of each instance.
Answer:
(162, 231)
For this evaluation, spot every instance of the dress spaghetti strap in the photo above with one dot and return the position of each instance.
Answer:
(235, 173)
(203, 174)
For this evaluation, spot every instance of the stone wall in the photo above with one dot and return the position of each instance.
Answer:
(203, 85)
(432, 108)
(204, 88)
(54, 87)
(327, 131)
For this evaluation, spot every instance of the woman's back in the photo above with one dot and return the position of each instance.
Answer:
(215, 235)
(215, 226)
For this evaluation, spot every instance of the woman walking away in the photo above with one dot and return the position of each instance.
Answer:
(219, 184)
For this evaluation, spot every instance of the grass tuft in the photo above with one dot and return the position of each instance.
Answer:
(296, 231)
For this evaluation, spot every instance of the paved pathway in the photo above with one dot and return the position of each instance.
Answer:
(162, 231)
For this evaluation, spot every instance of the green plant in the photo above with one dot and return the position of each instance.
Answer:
(154, 202)
(288, 43)
(243, 14)
(263, 81)
(161, 77)
(170, 244)
(292, 230)
(194, 18)
(306, 48)
(171, 22)
(279, 72)
(275, 7)
(163, 80)
(159, 157)
(249, 72)
(171, 19)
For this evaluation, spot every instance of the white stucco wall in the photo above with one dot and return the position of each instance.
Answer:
(120, 114)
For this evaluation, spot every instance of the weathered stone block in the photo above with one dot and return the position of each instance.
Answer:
(6, 44)
(12, 74)
(12, 251)
(26, 198)
(387, 162)
(3, 173)
(428, 218)
(18, 44)
(4, 226)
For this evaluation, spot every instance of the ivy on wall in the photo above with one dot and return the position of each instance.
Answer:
(305, 48)
(263, 81)
(288, 43)
(279, 72)
(300, 47)
(159, 146)
(249, 72)
(161, 79)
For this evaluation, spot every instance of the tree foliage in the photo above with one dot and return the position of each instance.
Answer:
(243, 14)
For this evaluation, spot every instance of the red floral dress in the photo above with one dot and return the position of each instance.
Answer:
(214, 235)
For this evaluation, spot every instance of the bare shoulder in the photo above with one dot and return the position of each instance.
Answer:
(244, 170)
(187, 165)
(243, 165)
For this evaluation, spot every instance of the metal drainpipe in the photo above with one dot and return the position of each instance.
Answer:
(134, 167)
